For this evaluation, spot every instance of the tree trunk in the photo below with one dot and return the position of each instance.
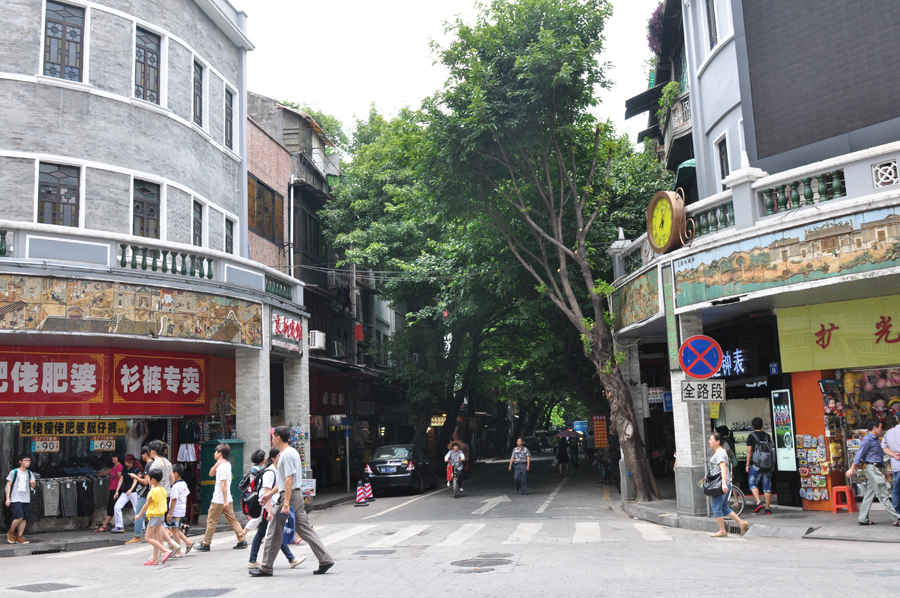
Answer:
(423, 420)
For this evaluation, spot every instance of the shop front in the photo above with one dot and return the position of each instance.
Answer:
(73, 409)
(844, 363)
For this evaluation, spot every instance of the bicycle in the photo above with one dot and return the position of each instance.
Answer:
(736, 499)
(455, 479)
(604, 473)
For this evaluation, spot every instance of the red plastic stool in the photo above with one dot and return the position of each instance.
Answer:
(847, 502)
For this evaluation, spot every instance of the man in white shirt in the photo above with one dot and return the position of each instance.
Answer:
(19, 484)
(289, 477)
(221, 501)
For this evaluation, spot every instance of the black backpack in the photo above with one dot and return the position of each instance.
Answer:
(763, 457)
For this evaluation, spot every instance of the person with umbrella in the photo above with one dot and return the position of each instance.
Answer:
(562, 455)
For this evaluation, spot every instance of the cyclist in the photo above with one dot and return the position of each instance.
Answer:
(454, 458)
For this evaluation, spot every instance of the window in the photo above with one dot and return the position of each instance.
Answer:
(229, 119)
(64, 42)
(58, 195)
(146, 210)
(198, 93)
(146, 66)
(229, 236)
(784, 255)
(311, 231)
(265, 209)
(198, 224)
(881, 235)
(858, 243)
(711, 23)
(722, 148)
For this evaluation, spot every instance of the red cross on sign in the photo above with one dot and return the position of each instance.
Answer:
(700, 357)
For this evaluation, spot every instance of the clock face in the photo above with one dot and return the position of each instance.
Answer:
(661, 223)
(665, 221)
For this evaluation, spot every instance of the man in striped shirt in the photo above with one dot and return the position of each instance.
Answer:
(521, 460)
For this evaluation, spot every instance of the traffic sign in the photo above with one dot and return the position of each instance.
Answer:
(703, 391)
(700, 357)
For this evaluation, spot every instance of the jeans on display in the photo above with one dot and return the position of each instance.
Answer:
(123, 500)
(258, 538)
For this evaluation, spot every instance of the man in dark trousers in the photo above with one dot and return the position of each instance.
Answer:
(871, 456)
(289, 475)
(759, 469)
(521, 460)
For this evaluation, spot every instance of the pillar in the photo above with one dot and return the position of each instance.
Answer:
(296, 394)
(691, 433)
(252, 398)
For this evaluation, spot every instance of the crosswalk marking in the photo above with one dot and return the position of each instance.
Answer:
(652, 532)
(343, 535)
(524, 533)
(553, 494)
(401, 536)
(462, 534)
(586, 532)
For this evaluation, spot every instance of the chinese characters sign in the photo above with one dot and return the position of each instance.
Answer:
(287, 333)
(158, 379)
(601, 439)
(846, 334)
(100, 382)
(74, 427)
(703, 391)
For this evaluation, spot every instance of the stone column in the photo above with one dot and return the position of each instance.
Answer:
(691, 433)
(748, 208)
(296, 393)
(252, 380)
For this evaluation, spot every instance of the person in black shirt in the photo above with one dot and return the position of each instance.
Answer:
(754, 472)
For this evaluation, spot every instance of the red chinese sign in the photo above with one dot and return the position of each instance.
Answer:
(289, 327)
(883, 331)
(100, 382)
(159, 383)
(601, 437)
(53, 382)
(823, 336)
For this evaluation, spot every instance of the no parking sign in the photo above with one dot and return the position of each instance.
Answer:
(700, 357)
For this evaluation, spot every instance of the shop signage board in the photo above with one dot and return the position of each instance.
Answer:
(667, 401)
(668, 289)
(656, 394)
(601, 439)
(580, 426)
(287, 334)
(159, 383)
(703, 391)
(308, 487)
(782, 415)
(103, 443)
(74, 427)
(700, 357)
(45, 444)
(846, 334)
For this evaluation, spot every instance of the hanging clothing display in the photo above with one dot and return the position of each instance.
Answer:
(68, 498)
(188, 453)
(134, 440)
(84, 490)
(50, 489)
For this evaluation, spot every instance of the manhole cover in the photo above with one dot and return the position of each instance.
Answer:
(470, 571)
(207, 593)
(493, 555)
(374, 552)
(44, 587)
(481, 563)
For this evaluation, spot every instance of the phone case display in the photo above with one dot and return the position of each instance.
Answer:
(817, 457)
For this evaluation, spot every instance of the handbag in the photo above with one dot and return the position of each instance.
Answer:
(712, 485)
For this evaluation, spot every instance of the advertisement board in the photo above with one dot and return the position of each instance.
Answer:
(783, 417)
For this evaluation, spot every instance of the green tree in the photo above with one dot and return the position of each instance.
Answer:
(515, 134)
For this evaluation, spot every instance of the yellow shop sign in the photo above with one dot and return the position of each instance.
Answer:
(847, 334)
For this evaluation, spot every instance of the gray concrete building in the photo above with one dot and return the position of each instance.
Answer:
(124, 229)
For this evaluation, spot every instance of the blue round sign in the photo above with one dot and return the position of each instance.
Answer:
(700, 357)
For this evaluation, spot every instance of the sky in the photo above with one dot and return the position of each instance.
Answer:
(341, 56)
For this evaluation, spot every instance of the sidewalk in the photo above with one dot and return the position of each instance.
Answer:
(785, 522)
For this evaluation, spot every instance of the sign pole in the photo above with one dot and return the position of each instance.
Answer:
(347, 455)
(705, 456)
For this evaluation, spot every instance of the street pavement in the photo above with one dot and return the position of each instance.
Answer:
(568, 536)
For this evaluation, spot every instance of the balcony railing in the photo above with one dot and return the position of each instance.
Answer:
(306, 171)
(47, 246)
(712, 215)
(677, 121)
(804, 192)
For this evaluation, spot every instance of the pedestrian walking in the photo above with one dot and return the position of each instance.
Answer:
(158, 450)
(142, 489)
(891, 445)
(155, 509)
(127, 492)
(521, 460)
(719, 464)
(178, 509)
(871, 456)
(258, 458)
(222, 502)
(760, 463)
(289, 475)
(19, 484)
(115, 486)
(267, 482)
(562, 456)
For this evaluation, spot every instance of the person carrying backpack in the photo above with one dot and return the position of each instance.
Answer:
(760, 463)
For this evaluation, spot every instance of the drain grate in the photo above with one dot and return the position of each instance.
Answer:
(44, 587)
(481, 563)
(47, 551)
(205, 593)
(374, 552)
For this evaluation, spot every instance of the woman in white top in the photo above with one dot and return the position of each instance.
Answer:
(720, 464)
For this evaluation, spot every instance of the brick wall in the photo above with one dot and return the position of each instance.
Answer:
(270, 162)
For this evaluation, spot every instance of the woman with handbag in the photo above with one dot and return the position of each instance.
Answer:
(715, 485)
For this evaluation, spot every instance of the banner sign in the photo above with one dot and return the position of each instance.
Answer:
(110, 428)
(287, 334)
(103, 443)
(72, 383)
(45, 444)
(601, 439)
(156, 380)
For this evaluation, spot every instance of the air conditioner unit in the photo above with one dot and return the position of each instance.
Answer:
(337, 349)
(316, 340)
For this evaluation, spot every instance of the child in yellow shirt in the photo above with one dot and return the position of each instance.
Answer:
(155, 507)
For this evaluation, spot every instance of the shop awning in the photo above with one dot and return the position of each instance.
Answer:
(651, 132)
(644, 101)
(684, 173)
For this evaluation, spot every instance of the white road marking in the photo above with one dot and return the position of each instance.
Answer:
(552, 496)
(652, 532)
(586, 532)
(347, 533)
(462, 534)
(490, 503)
(401, 536)
(524, 533)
